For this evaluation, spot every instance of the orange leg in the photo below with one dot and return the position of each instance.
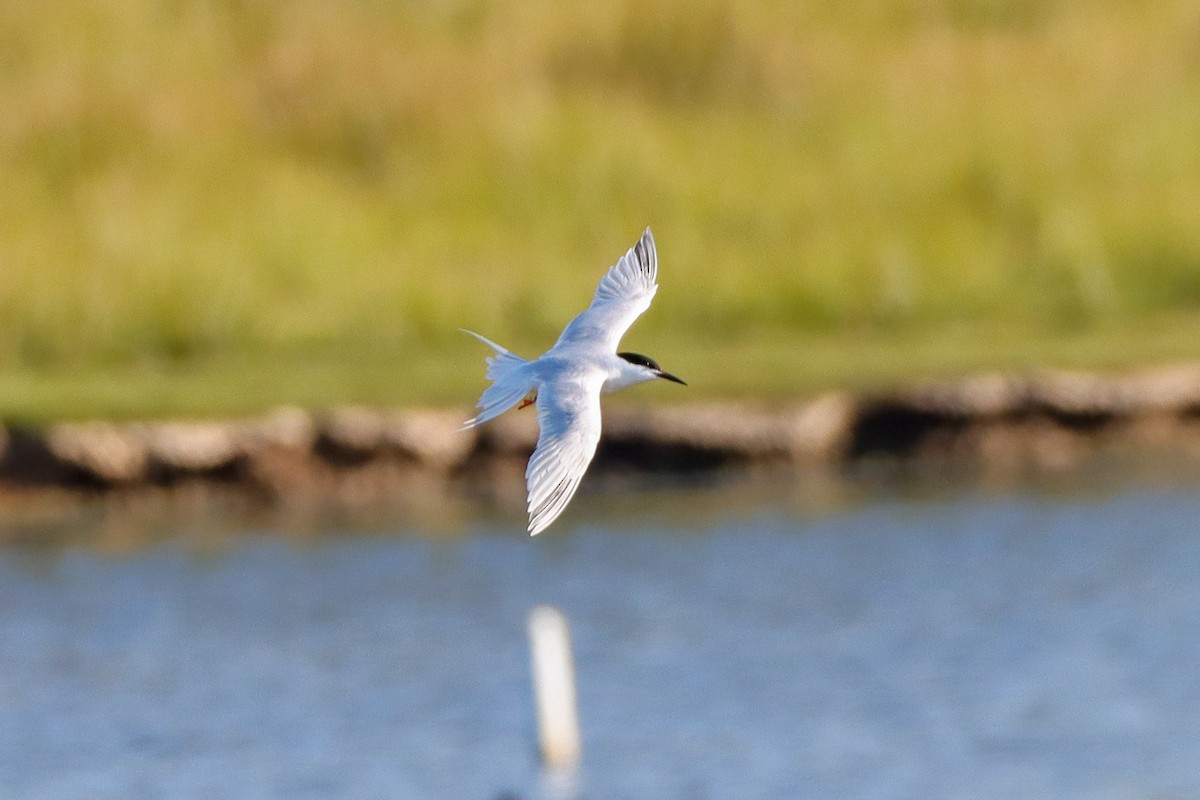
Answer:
(528, 401)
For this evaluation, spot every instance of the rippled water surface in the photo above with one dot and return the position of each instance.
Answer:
(961, 644)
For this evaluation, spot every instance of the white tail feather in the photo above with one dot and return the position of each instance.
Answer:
(511, 382)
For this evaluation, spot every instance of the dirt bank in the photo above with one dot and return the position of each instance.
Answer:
(1043, 421)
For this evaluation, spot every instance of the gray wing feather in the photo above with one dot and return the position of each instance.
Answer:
(569, 418)
(623, 295)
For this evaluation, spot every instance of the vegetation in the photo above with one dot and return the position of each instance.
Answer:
(220, 206)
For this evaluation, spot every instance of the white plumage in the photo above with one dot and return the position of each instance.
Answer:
(568, 379)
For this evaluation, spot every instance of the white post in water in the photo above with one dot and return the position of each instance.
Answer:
(554, 688)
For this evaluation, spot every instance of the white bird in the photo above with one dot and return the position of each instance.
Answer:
(567, 380)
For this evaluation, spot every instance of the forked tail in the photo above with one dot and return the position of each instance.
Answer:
(511, 381)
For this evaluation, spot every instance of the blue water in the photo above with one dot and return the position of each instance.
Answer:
(970, 645)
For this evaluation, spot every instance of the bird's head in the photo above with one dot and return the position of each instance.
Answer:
(650, 367)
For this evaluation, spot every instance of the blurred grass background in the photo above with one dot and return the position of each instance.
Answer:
(214, 207)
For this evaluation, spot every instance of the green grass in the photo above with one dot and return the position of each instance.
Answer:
(770, 370)
(213, 208)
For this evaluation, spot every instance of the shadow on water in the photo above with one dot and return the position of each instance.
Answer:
(215, 514)
(894, 631)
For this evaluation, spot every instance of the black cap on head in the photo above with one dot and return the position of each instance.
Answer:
(651, 364)
(641, 360)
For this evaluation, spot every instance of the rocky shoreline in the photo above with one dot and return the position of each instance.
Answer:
(1042, 421)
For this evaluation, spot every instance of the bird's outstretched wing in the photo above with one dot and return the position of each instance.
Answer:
(623, 294)
(569, 418)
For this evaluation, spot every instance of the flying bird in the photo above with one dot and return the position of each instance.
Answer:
(567, 380)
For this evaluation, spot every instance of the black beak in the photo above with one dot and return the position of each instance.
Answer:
(670, 377)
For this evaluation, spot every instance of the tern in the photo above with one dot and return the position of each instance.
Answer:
(567, 380)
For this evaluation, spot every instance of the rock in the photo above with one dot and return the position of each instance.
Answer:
(431, 438)
(1079, 398)
(693, 437)
(284, 428)
(350, 434)
(716, 427)
(26, 460)
(980, 397)
(934, 416)
(279, 449)
(183, 448)
(101, 451)
(896, 427)
(821, 429)
(512, 434)
(1166, 389)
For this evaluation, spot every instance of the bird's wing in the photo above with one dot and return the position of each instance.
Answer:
(569, 418)
(623, 294)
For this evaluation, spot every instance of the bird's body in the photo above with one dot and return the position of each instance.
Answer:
(568, 379)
